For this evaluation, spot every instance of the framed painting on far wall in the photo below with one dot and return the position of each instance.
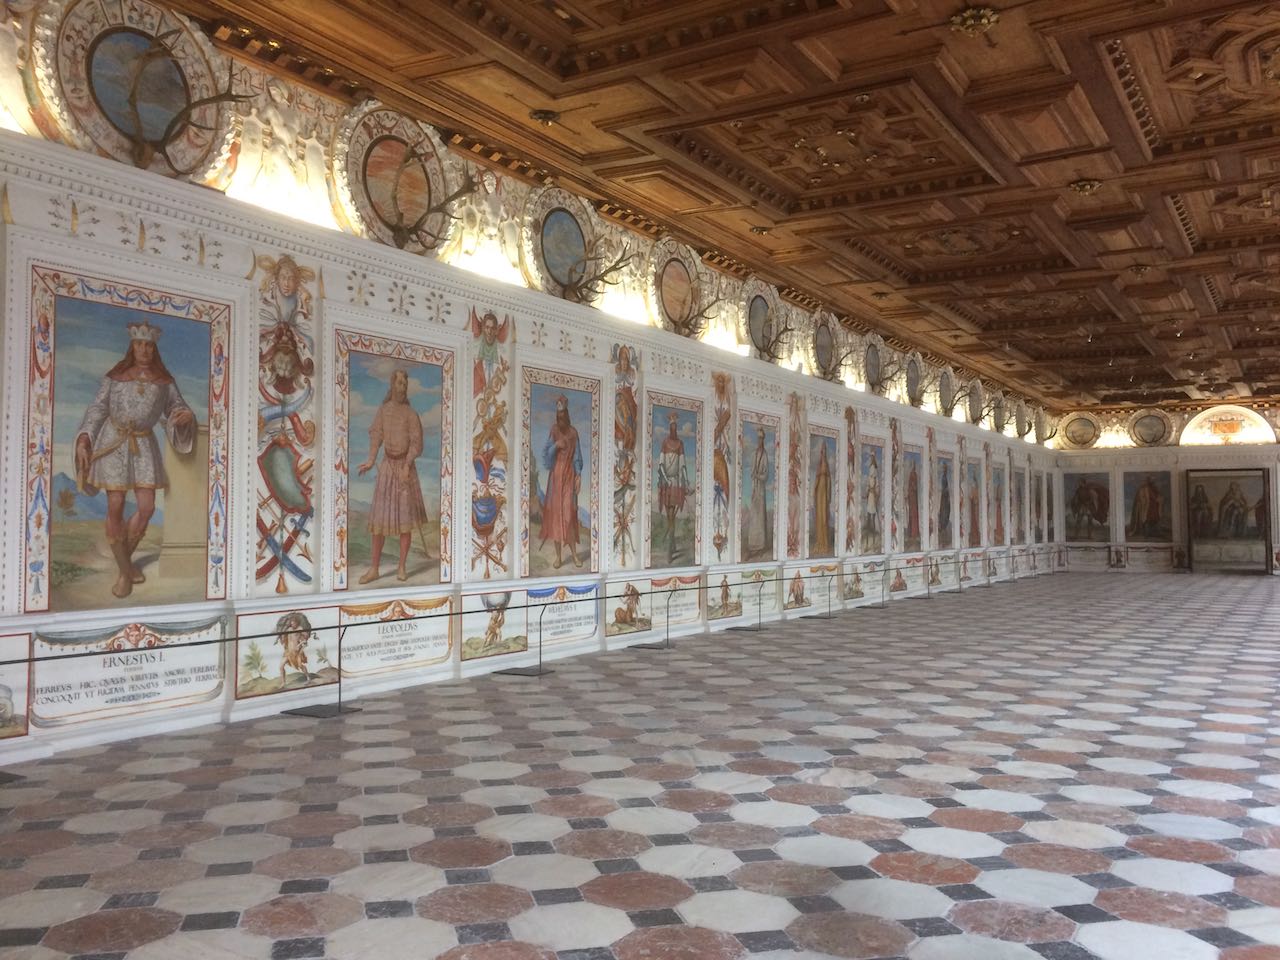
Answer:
(1228, 520)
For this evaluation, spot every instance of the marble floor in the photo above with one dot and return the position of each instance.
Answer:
(1081, 766)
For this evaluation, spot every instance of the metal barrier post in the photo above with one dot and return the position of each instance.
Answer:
(666, 643)
(322, 711)
(884, 586)
(537, 671)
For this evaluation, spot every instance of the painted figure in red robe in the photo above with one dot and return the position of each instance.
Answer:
(562, 459)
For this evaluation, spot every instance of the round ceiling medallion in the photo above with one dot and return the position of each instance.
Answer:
(1081, 430)
(1150, 428)
(134, 82)
(564, 246)
(560, 245)
(393, 180)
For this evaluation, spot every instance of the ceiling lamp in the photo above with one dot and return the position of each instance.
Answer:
(974, 21)
(545, 117)
(1085, 187)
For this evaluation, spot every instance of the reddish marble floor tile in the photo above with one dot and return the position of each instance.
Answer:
(810, 794)
(196, 800)
(1060, 757)
(906, 787)
(435, 761)
(1257, 952)
(553, 779)
(59, 809)
(539, 755)
(853, 826)
(440, 815)
(321, 793)
(1056, 858)
(636, 890)
(75, 859)
(144, 876)
(16, 881)
(978, 821)
(202, 776)
(1264, 888)
(730, 745)
(308, 862)
(768, 768)
(929, 868)
(1003, 920)
(1159, 907)
(1179, 848)
(1266, 836)
(474, 903)
(1125, 781)
(734, 836)
(781, 878)
(678, 943)
(313, 825)
(302, 915)
(1201, 807)
(457, 852)
(601, 844)
(112, 931)
(850, 935)
(170, 835)
(1215, 774)
(573, 806)
(32, 843)
(1004, 781)
(507, 950)
(1092, 813)
(694, 801)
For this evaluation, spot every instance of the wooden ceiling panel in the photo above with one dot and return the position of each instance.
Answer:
(1075, 198)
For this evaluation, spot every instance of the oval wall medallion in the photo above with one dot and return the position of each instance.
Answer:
(946, 391)
(1021, 422)
(1150, 428)
(561, 245)
(1081, 430)
(675, 288)
(393, 179)
(134, 82)
(915, 382)
(873, 368)
(977, 400)
(675, 292)
(760, 323)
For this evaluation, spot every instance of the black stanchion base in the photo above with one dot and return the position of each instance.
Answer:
(10, 778)
(322, 711)
(818, 616)
(524, 671)
(662, 645)
(742, 630)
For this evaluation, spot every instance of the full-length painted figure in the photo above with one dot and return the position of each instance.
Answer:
(758, 512)
(823, 528)
(562, 459)
(398, 509)
(673, 481)
(116, 448)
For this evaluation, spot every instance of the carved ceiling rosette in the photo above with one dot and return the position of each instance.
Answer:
(1150, 428)
(680, 292)
(560, 248)
(396, 182)
(134, 82)
(764, 321)
(1080, 430)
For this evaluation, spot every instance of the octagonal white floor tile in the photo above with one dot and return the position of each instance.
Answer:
(236, 848)
(891, 899)
(1106, 796)
(253, 811)
(1037, 771)
(845, 731)
(1173, 876)
(621, 788)
(388, 836)
(1123, 940)
(1005, 801)
(1068, 744)
(523, 827)
(221, 894)
(1145, 768)
(379, 777)
(1268, 861)
(113, 821)
(189, 944)
(891, 806)
(1038, 888)
(1190, 827)
(773, 813)
(1207, 789)
(44, 908)
(571, 926)
(513, 795)
(737, 911)
(397, 880)
(398, 938)
(1075, 833)
(651, 820)
(888, 751)
(688, 860)
(1261, 923)
(967, 946)
(730, 781)
(939, 772)
(823, 851)
(947, 842)
(543, 871)
(491, 770)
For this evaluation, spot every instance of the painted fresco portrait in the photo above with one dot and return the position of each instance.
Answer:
(394, 467)
(871, 501)
(999, 531)
(1148, 506)
(973, 502)
(1018, 509)
(1088, 502)
(1226, 506)
(561, 465)
(673, 493)
(823, 473)
(130, 457)
(758, 465)
(944, 469)
(912, 494)
(1037, 506)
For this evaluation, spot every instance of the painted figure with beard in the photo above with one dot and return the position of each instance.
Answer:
(398, 509)
(562, 459)
(673, 481)
(116, 448)
(758, 512)
(823, 534)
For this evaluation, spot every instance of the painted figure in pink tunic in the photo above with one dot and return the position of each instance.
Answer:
(562, 459)
(398, 509)
(673, 481)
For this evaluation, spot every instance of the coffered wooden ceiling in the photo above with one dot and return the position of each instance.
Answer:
(1080, 203)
